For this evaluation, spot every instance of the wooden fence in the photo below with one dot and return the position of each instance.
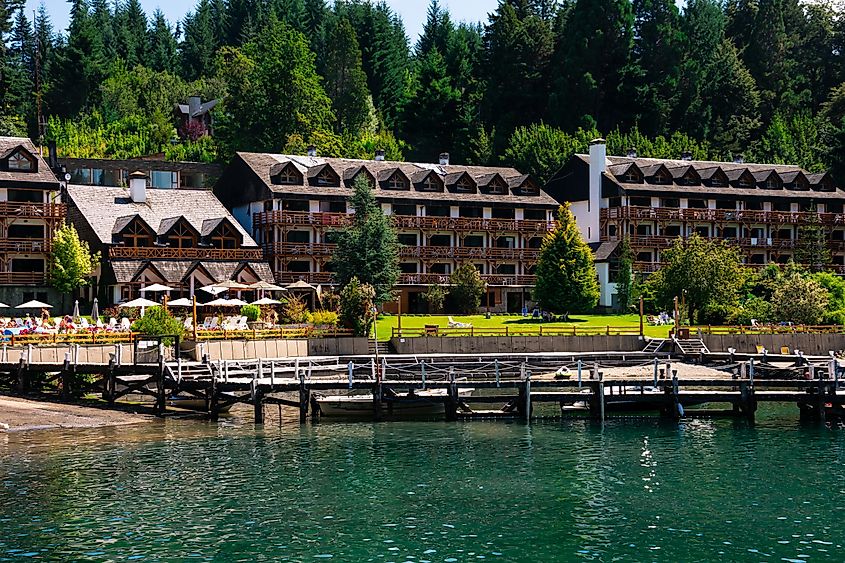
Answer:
(274, 333)
(43, 339)
(534, 330)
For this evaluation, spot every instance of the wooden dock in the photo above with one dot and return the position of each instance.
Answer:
(507, 386)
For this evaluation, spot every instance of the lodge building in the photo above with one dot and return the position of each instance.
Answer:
(445, 215)
(758, 207)
(30, 212)
(184, 239)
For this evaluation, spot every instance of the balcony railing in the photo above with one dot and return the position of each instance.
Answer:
(747, 242)
(292, 249)
(25, 245)
(25, 209)
(649, 267)
(502, 280)
(270, 218)
(185, 253)
(23, 278)
(724, 215)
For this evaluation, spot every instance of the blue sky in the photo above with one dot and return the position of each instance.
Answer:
(412, 11)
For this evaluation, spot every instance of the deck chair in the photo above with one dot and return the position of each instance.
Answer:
(83, 322)
(206, 323)
(125, 325)
(784, 350)
(760, 349)
(242, 324)
(112, 323)
(213, 323)
(188, 324)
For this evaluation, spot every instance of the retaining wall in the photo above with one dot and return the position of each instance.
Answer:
(814, 344)
(515, 344)
(86, 354)
(282, 348)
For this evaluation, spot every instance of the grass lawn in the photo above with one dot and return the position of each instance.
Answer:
(387, 323)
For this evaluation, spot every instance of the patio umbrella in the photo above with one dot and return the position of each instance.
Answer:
(219, 302)
(266, 301)
(76, 311)
(300, 285)
(266, 286)
(183, 302)
(237, 302)
(34, 305)
(95, 312)
(4, 306)
(231, 284)
(140, 302)
(213, 289)
(156, 287)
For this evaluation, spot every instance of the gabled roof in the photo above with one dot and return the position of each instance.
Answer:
(203, 109)
(167, 224)
(122, 222)
(178, 271)
(763, 175)
(107, 208)
(42, 177)
(315, 171)
(349, 174)
(210, 225)
(679, 172)
(388, 173)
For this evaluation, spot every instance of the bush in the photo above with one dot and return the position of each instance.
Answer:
(295, 310)
(435, 296)
(467, 289)
(159, 322)
(251, 312)
(800, 300)
(834, 317)
(755, 308)
(356, 305)
(323, 318)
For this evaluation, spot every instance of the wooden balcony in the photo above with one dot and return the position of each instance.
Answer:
(719, 215)
(23, 278)
(163, 252)
(25, 245)
(748, 243)
(493, 280)
(336, 220)
(34, 210)
(306, 250)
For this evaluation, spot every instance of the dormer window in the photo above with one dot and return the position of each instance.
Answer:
(745, 181)
(397, 182)
(20, 162)
(288, 177)
(662, 177)
(326, 178)
(137, 235)
(631, 177)
(498, 187)
(430, 184)
(772, 183)
(464, 185)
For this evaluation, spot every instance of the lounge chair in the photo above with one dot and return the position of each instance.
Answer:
(125, 325)
(112, 323)
(784, 350)
(455, 324)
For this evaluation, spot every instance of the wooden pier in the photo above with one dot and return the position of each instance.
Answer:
(503, 386)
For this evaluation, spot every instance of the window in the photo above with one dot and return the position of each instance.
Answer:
(225, 236)
(473, 241)
(437, 210)
(772, 183)
(535, 242)
(698, 203)
(137, 235)
(662, 177)
(333, 206)
(672, 231)
(163, 179)
(506, 269)
(431, 184)
(397, 182)
(404, 209)
(288, 176)
(182, 236)
(718, 181)
(302, 237)
(643, 230)
(505, 242)
(440, 240)
(25, 231)
(614, 202)
(746, 181)
(192, 180)
(703, 231)
(327, 177)
(299, 266)
(641, 202)
(80, 176)
(471, 212)
(670, 202)
(725, 204)
(782, 206)
(754, 205)
(540, 214)
(757, 259)
(465, 185)
(408, 267)
(296, 205)
(644, 257)
(632, 176)
(26, 196)
(440, 269)
(27, 265)
(729, 232)
(503, 213)
(832, 207)
(18, 161)
(407, 239)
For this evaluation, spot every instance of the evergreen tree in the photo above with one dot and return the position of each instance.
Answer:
(811, 249)
(432, 108)
(314, 25)
(200, 44)
(8, 9)
(437, 31)
(273, 91)
(625, 276)
(162, 48)
(466, 289)
(591, 58)
(21, 68)
(367, 250)
(131, 33)
(346, 83)
(566, 275)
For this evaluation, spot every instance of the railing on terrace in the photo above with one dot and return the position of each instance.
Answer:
(650, 267)
(707, 215)
(506, 280)
(769, 329)
(43, 339)
(27, 245)
(23, 278)
(273, 333)
(529, 330)
(269, 218)
(656, 241)
(185, 253)
(447, 252)
(25, 209)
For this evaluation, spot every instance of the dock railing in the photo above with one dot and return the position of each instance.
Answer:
(531, 330)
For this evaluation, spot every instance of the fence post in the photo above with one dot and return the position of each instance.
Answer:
(579, 374)
(350, 367)
(498, 372)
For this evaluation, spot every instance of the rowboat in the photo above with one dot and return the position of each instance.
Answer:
(414, 403)
(630, 398)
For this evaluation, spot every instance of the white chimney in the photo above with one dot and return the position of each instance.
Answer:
(444, 159)
(312, 151)
(632, 152)
(739, 159)
(138, 187)
(379, 155)
(598, 166)
(686, 155)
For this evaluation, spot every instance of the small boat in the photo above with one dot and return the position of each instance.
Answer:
(415, 402)
(641, 399)
(193, 404)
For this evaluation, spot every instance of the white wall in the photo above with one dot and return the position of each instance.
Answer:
(581, 210)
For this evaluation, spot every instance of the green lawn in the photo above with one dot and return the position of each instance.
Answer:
(387, 323)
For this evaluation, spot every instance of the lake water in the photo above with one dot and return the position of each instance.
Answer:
(636, 490)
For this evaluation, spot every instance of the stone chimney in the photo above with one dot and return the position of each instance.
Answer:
(590, 228)
(379, 155)
(312, 151)
(444, 159)
(632, 152)
(194, 104)
(686, 155)
(138, 187)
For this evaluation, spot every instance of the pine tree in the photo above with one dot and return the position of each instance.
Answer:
(200, 45)
(162, 49)
(432, 109)
(811, 249)
(131, 33)
(437, 31)
(8, 9)
(346, 83)
(566, 275)
(21, 69)
(625, 276)
(367, 250)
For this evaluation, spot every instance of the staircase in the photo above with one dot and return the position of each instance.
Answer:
(691, 346)
(383, 348)
(654, 345)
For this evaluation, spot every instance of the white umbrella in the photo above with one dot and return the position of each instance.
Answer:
(266, 301)
(237, 303)
(140, 302)
(219, 302)
(95, 311)
(301, 284)
(213, 289)
(34, 305)
(181, 303)
(76, 311)
(4, 306)
(231, 284)
(156, 287)
(266, 285)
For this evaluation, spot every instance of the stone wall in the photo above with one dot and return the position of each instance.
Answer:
(515, 344)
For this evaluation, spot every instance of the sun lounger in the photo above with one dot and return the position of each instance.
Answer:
(125, 325)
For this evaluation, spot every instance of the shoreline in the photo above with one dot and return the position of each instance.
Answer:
(18, 414)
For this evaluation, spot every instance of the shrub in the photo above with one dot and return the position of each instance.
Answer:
(800, 300)
(834, 317)
(467, 289)
(435, 296)
(324, 318)
(356, 304)
(159, 322)
(295, 310)
(251, 312)
(755, 308)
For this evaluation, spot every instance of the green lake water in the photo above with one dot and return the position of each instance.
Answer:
(635, 490)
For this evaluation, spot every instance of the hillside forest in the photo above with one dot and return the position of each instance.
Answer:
(527, 87)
